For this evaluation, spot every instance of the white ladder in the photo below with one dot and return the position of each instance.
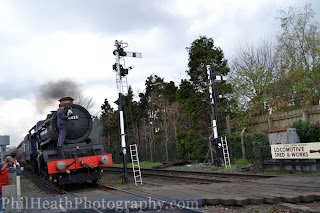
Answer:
(225, 150)
(135, 164)
(125, 86)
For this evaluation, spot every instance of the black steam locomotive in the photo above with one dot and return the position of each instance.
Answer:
(79, 160)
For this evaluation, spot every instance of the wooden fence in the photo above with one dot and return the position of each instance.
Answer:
(284, 119)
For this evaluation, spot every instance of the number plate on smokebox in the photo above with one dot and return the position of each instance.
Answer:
(73, 117)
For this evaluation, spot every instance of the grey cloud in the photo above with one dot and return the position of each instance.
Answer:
(112, 16)
(15, 89)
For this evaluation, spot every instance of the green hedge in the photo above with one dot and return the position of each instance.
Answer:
(307, 132)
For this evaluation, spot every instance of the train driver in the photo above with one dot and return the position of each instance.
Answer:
(62, 125)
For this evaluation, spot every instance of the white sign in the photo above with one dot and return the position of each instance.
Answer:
(296, 151)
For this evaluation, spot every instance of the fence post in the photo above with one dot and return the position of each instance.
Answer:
(261, 156)
(301, 165)
(18, 192)
(305, 116)
(228, 124)
(242, 144)
(293, 165)
(270, 123)
(281, 165)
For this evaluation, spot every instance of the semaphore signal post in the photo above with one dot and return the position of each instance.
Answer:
(122, 72)
(215, 76)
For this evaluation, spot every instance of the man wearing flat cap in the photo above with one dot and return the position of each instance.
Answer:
(62, 119)
(66, 100)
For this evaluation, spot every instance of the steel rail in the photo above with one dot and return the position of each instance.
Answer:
(156, 199)
(105, 187)
(179, 178)
(59, 190)
(212, 174)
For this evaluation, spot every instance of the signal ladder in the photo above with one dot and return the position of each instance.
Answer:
(225, 150)
(125, 86)
(135, 164)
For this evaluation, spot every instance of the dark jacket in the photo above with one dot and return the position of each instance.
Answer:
(61, 119)
(5, 169)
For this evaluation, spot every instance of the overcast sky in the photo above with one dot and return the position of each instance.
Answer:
(43, 41)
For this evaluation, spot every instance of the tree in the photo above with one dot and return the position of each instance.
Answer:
(131, 117)
(299, 38)
(191, 146)
(284, 75)
(168, 113)
(169, 92)
(254, 70)
(203, 52)
(299, 51)
(85, 101)
(111, 126)
(106, 109)
(151, 108)
(190, 100)
(159, 114)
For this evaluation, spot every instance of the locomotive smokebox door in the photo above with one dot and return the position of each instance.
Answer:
(79, 125)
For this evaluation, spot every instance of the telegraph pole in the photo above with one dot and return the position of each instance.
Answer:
(121, 72)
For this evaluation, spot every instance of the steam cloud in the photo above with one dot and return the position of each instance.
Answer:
(51, 92)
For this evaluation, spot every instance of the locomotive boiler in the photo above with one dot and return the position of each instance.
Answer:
(79, 160)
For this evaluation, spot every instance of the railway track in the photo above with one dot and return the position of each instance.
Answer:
(71, 192)
(210, 177)
(192, 176)
(58, 190)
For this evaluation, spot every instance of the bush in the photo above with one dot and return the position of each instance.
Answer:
(307, 132)
(241, 162)
(191, 146)
(256, 139)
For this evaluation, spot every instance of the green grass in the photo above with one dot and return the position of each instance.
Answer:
(143, 164)
(241, 162)
(313, 174)
(256, 208)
